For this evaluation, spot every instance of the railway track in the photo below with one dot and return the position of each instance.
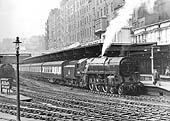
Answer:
(72, 93)
(54, 102)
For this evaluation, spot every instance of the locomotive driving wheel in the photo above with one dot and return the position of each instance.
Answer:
(134, 90)
(96, 84)
(113, 90)
(91, 83)
(121, 90)
(105, 88)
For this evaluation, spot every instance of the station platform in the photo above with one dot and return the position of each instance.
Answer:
(161, 88)
(8, 117)
(12, 95)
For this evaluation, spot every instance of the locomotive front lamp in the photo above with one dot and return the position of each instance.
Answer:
(17, 42)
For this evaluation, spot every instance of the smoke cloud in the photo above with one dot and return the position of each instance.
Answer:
(124, 14)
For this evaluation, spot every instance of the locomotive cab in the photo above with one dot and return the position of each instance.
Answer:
(69, 73)
(80, 72)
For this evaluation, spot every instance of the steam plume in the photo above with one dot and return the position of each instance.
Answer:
(122, 19)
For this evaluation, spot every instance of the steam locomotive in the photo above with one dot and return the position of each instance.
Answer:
(106, 74)
(7, 71)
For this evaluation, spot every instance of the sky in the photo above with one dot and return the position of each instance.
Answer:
(24, 18)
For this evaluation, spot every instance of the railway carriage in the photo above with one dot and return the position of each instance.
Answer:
(53, 71)
(30, 70)
(35, 69)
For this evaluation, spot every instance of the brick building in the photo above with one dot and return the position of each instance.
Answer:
(153, 27)
(53, 30)
(77, 21)
(82, 21)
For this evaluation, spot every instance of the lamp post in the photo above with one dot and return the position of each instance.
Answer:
(152, 56)
(17, 42)
(152, 65)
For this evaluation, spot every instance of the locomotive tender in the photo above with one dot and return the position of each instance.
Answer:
(106, 74)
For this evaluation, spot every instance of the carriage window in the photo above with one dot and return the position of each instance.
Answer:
(42, 69)
(45, 69)
(59, 70)
(56, 70)
(37, 69)
(50, 69)
(53, 69)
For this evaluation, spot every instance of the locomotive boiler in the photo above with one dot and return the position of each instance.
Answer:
(106, 74)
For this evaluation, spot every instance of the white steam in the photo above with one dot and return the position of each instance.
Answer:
(124, 14)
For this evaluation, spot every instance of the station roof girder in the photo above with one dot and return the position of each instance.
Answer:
(89, 51)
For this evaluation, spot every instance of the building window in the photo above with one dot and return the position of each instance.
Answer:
(84, 20)
(112, 7)
(87, 19)
(139, 39)
(101, 11)
(97, 2)
(94, 11)
(90, 31)
(85, 33)
(104, 10)
(97, 14)
(168, 36)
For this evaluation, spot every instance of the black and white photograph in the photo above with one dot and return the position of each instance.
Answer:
(84, 60)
